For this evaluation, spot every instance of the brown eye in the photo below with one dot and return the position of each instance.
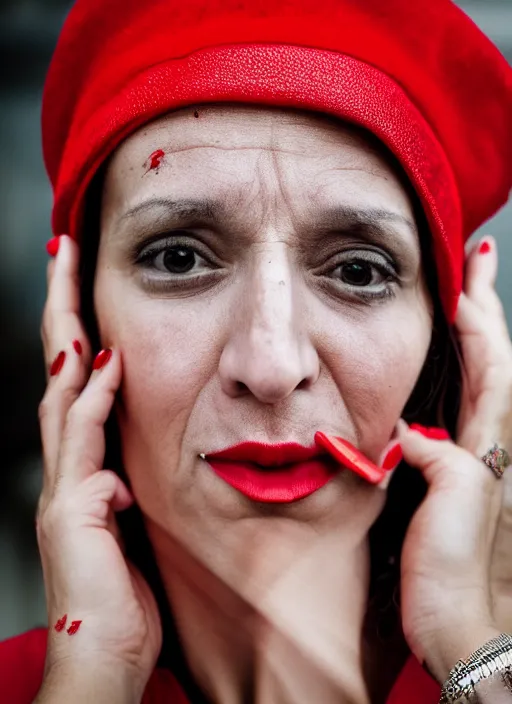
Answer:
(179, 260)
(356, 273)
(361, 274)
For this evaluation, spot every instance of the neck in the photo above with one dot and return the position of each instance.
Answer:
(287, 632)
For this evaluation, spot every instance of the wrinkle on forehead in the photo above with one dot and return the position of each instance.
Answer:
(246, 127)
(172, 150)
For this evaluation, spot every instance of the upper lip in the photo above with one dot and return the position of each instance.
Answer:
(268, 455)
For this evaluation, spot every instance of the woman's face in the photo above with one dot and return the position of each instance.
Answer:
(261, 276)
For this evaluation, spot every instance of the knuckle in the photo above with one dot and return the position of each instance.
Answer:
(69, 395)
(56, 398)
(76, 417)
(45, 525)
(81, 413)
(46, 322)
(76, 426)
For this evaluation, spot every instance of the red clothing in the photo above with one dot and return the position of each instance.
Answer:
(22, 662)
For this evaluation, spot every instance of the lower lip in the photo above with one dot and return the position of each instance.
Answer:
(282, 485)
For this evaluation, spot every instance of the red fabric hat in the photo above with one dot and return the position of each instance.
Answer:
(419, 75)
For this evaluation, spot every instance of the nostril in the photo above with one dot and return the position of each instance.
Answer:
(241, 387)
(304, 384)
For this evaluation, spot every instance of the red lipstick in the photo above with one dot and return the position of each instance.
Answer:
(274, 473)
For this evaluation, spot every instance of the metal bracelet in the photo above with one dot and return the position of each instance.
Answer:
(494, 656)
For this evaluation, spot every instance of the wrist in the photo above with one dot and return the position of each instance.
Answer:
(455, 642)
(85, 680)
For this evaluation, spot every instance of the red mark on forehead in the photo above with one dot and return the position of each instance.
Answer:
(155, 159)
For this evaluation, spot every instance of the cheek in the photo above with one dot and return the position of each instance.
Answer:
(168, 357)
(376, 368)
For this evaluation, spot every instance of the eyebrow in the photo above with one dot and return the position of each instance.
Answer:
(204, 208)
(349, 216)
(194, 211)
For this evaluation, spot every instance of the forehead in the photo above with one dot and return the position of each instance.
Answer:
(246, 126)
(227, 145)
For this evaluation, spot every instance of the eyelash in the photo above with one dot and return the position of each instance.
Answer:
(145, 257)
(378, 262)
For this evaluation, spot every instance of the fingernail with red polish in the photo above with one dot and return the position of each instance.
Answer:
(484, 247)
(52, 246)
(75, 625)
(431, 432)
(77, 346)
(61, 623)
(102, 358)
(393, 458)
(57, 363)
(438, 434)
(419, 428)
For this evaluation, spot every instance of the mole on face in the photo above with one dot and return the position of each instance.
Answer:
(196, 114)
(154, 159)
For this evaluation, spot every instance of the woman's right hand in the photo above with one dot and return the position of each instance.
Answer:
(86, 575)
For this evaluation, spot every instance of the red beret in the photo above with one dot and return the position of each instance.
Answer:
(418, 74)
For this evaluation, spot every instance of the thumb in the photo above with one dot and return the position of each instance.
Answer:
(102, 493)
(428, 449)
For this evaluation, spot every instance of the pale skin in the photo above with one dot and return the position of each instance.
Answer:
(263, 339)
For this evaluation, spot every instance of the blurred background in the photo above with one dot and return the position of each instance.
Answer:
(28, 33)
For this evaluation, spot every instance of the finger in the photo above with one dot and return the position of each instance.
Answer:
(486, 407)
(481, 267)
(487, 373)
(95, 502)
(463, 516)
(66, 383)
(480, 278)
(122, 499)
(67, 351)
(484, 340)
(487, 360)
(442, 462)
(389, 459)
(63, 291)
(423, 452)
(102, 494)
(50, 269)
(82, 449)
(61, 321)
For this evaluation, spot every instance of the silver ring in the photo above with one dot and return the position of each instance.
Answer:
(497, 459)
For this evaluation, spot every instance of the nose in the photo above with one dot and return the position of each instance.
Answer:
(269, 352)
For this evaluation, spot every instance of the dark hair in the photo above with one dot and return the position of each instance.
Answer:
(434, 401)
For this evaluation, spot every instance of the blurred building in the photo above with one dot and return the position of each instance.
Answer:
(28, 32)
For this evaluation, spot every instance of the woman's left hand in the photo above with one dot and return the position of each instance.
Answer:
(461, 534)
